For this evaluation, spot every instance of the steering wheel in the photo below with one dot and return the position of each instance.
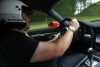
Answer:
(81, 36)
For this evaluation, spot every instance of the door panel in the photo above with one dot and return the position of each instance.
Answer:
(43, 34)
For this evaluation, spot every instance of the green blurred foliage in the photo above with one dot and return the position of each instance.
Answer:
(66, 8)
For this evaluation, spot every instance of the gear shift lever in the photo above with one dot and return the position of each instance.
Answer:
(90, 52)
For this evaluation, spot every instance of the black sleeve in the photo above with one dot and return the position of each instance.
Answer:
(27, 48)
(31, 45)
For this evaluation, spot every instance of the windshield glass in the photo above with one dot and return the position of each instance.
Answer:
(81, 9)
(88, 10)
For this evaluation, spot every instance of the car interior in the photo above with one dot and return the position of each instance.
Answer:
(87, 35)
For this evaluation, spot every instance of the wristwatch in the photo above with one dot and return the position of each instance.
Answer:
(72, 28)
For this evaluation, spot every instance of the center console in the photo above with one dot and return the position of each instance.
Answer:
(92, 60)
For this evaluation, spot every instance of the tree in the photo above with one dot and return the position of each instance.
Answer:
(81, 5)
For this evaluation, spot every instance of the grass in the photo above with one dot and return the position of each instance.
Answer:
(38, 25)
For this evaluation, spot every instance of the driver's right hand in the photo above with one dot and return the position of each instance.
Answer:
(74, 25)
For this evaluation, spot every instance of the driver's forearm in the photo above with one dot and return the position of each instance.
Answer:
(64, 42)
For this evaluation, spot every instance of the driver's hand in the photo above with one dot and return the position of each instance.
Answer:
(74, 25)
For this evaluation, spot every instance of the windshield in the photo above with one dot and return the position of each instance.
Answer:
(81, 9)
(88, 10)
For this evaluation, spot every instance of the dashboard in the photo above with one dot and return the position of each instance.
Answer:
(89, 34)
